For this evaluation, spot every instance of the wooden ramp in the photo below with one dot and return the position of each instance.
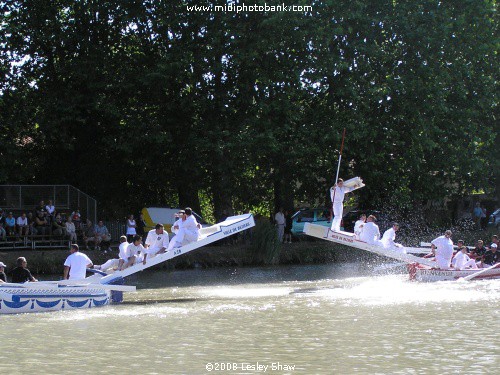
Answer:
(348, 239)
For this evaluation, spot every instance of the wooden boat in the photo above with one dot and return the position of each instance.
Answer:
(419, 268)
(102, 289)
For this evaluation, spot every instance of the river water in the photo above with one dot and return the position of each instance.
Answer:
(321, 319)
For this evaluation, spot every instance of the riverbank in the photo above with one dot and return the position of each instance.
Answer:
(50, 262)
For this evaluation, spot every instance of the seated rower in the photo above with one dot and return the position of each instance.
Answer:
(491, 257)
(156, 242)
(116, 264)
(358, 225)
(134, 252)
(370, 232)
(389, 237)
(462, 261)
(188, 231)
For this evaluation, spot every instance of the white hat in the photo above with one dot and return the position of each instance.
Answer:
(2, 264)
(494, 245)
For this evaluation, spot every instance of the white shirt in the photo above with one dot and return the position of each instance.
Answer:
(388, 238)
(21, 221)
(70, 227)
(370, 233)
(78, 263)
(133, 250)
(177, 223)
(50, 209)
(280, 218)
(444, 251)
(358, 226)
(459, 260)
(156, 241)
(339, 193)
(123, 251)
(190, 225)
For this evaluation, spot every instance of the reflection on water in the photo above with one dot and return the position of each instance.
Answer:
(328, 319)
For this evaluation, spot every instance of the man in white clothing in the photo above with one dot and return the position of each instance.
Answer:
(122, 252)
(389, 237)
(462, 261)
(280, 221)
(76, 264)
(189, 229)
(337, 193)
(358, 225)
(370, 233)
(442, 248)
(156, 242)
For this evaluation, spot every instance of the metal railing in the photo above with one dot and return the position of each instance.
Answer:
(66, 198)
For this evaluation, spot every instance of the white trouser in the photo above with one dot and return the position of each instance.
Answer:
(470, 263)
(338, 209)
(281, 230)
(184, 237)
(112, 263)
(396, 248)
(443, 263)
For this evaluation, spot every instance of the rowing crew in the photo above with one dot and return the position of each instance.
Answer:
(186, 230)
(442, 249)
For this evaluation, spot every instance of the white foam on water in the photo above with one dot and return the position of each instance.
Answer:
(396, 289)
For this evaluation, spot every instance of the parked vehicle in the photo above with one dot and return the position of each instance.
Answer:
(494, 220)
(320, 216)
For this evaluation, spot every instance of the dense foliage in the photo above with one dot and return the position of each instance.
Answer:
(143, 102)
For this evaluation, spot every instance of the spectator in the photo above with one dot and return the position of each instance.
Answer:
(58, 227)
(102, 236)
(41, 225)
(140, 225)
(3, 233)
(3, 276)
(10, 225)
(478, 251)
(476, 215)
(130, 228)
(484, 218)
(71, 229)
(21, 274)
(279, 220)
(51, 210)
(22, 225)
(89, 235)
(76, 218)
(288, 227)
(31, 224)
(41, 209)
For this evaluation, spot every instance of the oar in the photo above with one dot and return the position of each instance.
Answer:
(470, 277)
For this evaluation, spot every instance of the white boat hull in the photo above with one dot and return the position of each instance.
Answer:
(16, 300)
(418, 273)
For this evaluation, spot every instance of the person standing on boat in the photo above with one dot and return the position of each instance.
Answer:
(462, 261)
(337, 193)
(156, 242)
(389, 237)
(370, 233)
(21, 274)
(358, 225)
(76, 264)
(442, 248)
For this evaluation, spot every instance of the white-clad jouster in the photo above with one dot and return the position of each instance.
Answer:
(133, 250)
(461, 261)
(444, 251)
(123, 251)
(78, 263)
(358, 226)
(337, 194)
(155, 242)
(188, 231)
(370, 233)
(176, 226)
